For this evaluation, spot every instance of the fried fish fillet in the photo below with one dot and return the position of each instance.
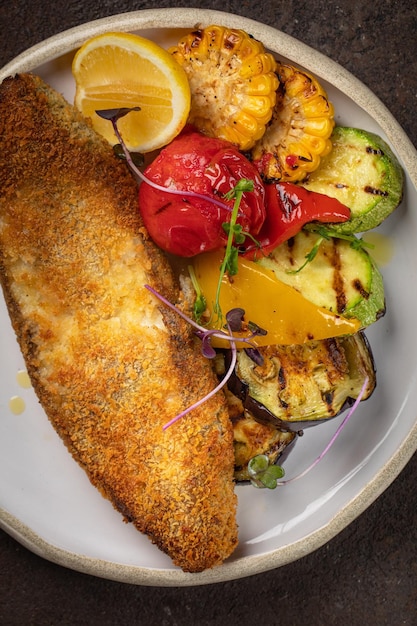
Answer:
(110, 364)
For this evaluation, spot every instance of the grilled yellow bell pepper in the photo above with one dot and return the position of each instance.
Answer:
(281, 310)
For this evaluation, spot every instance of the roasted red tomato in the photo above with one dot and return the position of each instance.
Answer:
(186, 225)
(289, 207)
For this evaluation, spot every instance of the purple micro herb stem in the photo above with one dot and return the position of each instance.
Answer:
(149, 182)
(332, 440)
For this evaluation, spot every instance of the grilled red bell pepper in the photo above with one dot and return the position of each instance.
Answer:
(206, 167)
(289, 207)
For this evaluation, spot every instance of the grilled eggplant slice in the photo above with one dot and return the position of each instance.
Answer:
(252, 436)
(300, 385)
(364, 174)
(341, 278)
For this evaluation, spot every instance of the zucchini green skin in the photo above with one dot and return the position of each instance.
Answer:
(363, 173)
(341, 278)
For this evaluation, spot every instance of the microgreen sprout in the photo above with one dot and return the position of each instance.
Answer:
(256, 330)
(137, 157)
(326, 233)
(200, 303)
(207, 349)
(235, 321)
(235, 235)
(262, 473)
(113, 116)
(310, 256)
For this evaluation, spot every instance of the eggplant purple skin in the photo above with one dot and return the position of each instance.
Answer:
(258, 410)
(241, 389)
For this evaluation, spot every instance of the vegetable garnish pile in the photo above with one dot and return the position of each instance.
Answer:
(260, 200)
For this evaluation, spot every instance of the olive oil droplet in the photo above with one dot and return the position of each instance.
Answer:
(23, 379)
(383, 249)
(17, 405)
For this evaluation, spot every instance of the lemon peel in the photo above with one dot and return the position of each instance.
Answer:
(116, 70)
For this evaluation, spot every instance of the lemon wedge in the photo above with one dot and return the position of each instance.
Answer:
(117, 70)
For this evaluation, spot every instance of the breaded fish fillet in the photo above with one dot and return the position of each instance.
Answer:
(109, 363)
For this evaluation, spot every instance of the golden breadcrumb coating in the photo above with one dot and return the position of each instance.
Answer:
(109, 363)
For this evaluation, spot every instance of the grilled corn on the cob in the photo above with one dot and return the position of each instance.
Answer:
(299, 132)
(233, 83)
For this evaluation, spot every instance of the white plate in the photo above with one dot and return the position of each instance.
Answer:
(46, 501)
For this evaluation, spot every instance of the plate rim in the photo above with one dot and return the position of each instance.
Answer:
(230, 570)
(325, 68)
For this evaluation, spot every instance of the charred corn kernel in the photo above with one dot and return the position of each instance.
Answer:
(233, 83)
(299, 133)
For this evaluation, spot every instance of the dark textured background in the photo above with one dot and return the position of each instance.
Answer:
(366, 575)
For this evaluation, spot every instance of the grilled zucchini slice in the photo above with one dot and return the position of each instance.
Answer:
(364, 174)
(303, 384)
(341, 278)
